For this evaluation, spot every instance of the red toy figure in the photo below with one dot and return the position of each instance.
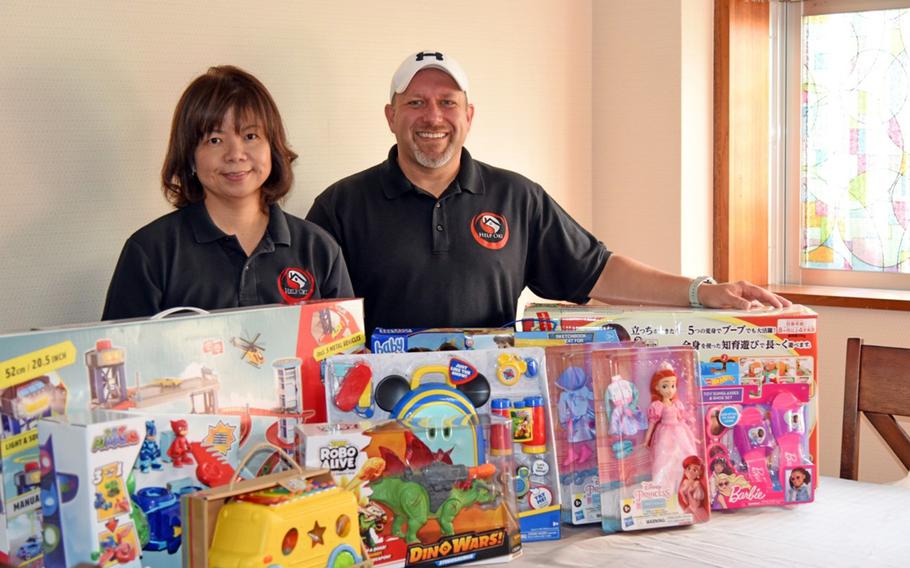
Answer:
(179, 452)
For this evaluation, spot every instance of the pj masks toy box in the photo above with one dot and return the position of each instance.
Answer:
(260, 365)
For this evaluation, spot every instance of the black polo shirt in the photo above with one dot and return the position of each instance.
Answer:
(461, 260)
(184, 259)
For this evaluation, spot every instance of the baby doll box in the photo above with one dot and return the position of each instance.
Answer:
(650, 439)
(740, 354)
(468, 510)
(295, 517)
(88, 516)
(455, 385)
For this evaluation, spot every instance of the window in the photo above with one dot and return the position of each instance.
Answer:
(841, 104)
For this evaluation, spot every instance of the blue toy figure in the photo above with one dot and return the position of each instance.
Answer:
(150, 453)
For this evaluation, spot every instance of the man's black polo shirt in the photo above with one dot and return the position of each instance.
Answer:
(184, 259)
(461, 260)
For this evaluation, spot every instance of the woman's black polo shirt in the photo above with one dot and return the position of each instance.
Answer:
(461, 260)
(184, 259)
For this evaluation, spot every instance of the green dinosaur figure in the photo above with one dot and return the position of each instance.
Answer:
(415, 498)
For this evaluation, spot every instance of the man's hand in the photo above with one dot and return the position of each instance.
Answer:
(739, 295)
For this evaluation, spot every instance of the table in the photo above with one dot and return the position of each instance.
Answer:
(850, 524)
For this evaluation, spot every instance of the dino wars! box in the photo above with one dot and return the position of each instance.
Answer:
(417, 506)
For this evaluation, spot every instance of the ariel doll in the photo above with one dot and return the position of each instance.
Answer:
(669, 435)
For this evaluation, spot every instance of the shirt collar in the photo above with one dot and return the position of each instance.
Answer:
(395, 184)
(206, 231)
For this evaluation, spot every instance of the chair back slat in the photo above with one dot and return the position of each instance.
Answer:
(877, 384)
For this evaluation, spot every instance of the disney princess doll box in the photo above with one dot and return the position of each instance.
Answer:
(650, 440)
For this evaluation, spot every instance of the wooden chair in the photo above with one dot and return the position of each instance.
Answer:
(877, 385)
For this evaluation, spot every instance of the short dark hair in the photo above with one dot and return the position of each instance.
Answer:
(200, 110)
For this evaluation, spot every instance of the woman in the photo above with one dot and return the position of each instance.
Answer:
(228, 244)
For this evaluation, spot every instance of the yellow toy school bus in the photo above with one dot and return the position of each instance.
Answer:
(315, 528)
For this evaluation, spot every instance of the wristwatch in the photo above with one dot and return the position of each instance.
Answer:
(693, 290)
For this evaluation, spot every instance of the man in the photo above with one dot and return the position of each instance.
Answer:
(434, 238)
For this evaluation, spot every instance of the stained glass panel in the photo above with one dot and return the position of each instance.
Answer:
(854, 159)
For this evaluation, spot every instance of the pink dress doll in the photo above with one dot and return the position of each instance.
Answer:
(692, 492)
(669, 435)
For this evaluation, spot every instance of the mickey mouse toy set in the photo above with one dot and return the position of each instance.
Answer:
(451, 386)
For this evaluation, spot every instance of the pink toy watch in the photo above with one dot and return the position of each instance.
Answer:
(752, 440)
(789, 427)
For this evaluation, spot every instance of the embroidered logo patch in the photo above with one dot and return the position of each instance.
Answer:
(490, 230)
(296, 285)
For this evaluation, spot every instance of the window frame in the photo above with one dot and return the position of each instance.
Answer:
(738, 19)
(786, 139)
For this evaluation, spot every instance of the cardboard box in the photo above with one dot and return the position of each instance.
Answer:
(294, 515)
(259, 364)
(469, 511)
(448, 339)
(88, 515)
(458, 384)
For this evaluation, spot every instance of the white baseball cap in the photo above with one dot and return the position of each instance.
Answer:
(426, 60)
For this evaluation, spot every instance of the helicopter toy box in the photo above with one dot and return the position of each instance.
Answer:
(745, 357)
(451, 339)
(443, 385)
(419, 503)
(259, 364)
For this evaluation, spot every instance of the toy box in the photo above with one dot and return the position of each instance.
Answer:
(449, 339)
(740, 354)
(174, 455)
(294, 517)
(179, 454)
(419, 505)
(88, 516)
(261, 364)
(650, 438)
(455, 384)
(569, 371)
(24, 399)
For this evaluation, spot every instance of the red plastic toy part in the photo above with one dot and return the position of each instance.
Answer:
(355, 383)
(212, 468)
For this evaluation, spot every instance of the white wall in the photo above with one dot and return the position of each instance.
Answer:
(87, 90)
(652, 118)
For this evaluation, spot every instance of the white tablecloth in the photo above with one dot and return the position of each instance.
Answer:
(849, 524)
